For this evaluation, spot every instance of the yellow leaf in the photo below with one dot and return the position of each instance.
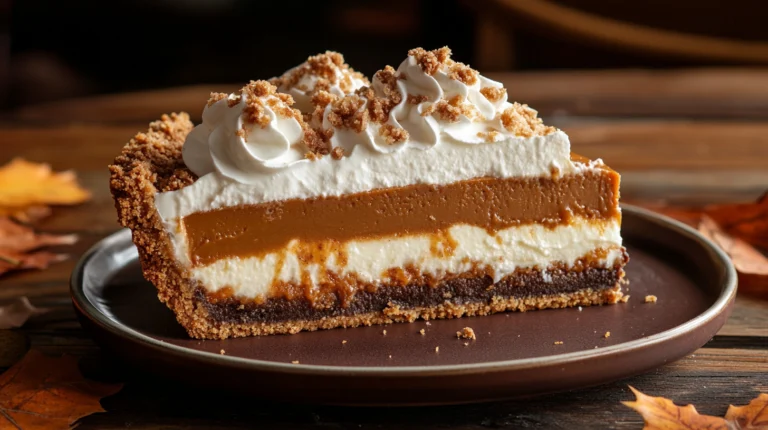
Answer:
(24, 184)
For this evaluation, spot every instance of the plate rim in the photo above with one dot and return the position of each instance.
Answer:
(726, 296)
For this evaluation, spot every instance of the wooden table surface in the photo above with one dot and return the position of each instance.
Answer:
(687, 137)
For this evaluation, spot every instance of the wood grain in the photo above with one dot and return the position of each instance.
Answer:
(694, 93)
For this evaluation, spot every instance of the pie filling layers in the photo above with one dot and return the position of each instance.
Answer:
(422, 193)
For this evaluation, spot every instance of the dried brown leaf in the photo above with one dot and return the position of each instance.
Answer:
(25, 184)
(19, 242)
(26, 214)
(747, 221)
(751, 264)
(751, 417)
(662, 414)
(42, 392)
(16, 313)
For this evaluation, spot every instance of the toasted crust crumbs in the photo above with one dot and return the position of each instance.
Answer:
(523, 121)
(651, 299)
(215, 97)
(414, 99)
(558, 342)
(329, 68)
(437, 349)
(430, 61)
(337, 153)
(607, 334)
(463, 73)
(493, 94)
(316, 142)
(347, 113)
(488, 136)
(422, 332)
(295, 362)
(222, 352)
(466, 333)
(392, 134)
(384, 332)
(451, 110)
(343, 342)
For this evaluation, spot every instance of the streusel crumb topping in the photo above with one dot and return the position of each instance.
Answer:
(215, 97)
(393, 135)
(430, 61)
(493, 94)
(523, 121)
(329, 68)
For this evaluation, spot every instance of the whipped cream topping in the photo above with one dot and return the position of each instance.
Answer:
(255, 130)
(428, 100)
(326, 72)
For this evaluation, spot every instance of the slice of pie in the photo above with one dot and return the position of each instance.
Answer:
(422, 195)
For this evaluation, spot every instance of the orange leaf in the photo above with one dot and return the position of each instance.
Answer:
(661, 414)
(42, 392)
(24, 184)
(751, 264)
(747, 221)
(751, 417)
(16, 313)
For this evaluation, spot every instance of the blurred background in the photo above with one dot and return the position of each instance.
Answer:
(55, 49)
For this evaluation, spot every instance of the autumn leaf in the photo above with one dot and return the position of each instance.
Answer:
(24, 184)
(42, 392)
(660, 413)
(26, 214)
(16, 313)
(747, 221)
(751, 417)
(17, 243)
(751, 264)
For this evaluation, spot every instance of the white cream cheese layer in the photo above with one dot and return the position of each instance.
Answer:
(517, 247)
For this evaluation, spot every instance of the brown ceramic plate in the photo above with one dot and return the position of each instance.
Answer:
(514, 355)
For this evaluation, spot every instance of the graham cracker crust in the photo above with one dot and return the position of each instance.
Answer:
(152, 162)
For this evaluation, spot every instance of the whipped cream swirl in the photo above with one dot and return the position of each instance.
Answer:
(248, 133)
(326, 72)
(431, 98)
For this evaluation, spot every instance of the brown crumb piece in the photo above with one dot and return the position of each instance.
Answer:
(384, 332)
(329, 68)
(466, 343)
(607, 334)
(414, 99)
(428, 323)
(558, 342)
(222, 352)
(393, 135)
(316, 142)
(430, 61)
(337, 153)
(451, 110)
(523, 121)
(624, 299)
(437, 349)
(463, 73)
(343, 341)
(347, 113)
(215, 97)
(295, 362)
(651, 299)
(423, 332)
(466, 333)
(488, 136)
(493, 94)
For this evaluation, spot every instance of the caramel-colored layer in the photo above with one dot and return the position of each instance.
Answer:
(490, 203)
